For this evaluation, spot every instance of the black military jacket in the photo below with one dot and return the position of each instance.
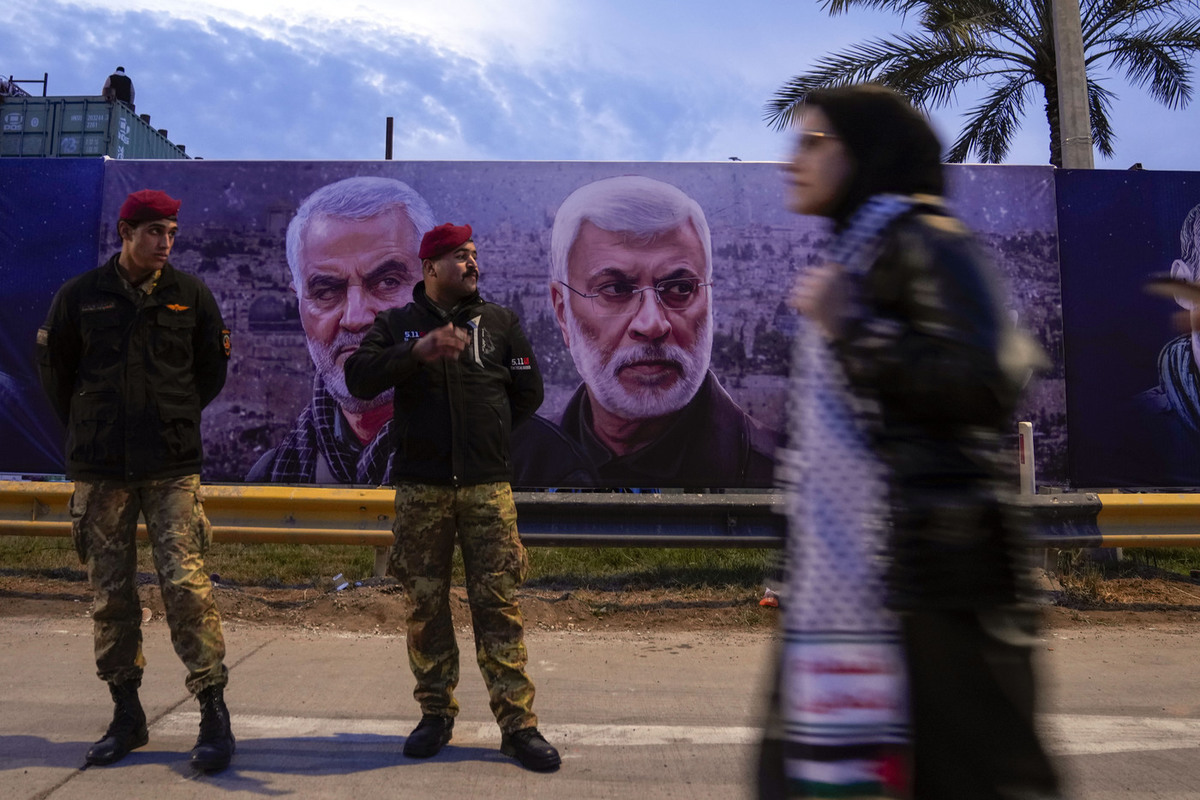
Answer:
(452, 420)
(129, 380)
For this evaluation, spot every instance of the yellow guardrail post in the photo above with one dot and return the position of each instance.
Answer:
(249, 513)
(1149, 520)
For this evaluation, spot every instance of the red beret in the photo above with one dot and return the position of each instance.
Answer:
(148, 204)
(442, 240)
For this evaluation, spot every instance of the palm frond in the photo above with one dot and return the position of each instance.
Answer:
(1103, 20)
(929, 81)
(991, 124)
(956, 26)
(1156, 59)
(1007, 45)
(1099, 103)
(861, 63)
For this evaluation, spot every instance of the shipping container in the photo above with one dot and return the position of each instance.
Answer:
(70, 127)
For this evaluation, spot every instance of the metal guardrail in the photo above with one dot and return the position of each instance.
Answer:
(1150, 520)
(238, 513)
(309, 515)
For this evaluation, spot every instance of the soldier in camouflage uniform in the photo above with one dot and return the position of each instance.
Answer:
(464, 375)
(129, 354)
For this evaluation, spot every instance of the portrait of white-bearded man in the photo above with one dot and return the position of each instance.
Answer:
(1163, 447)
(352, 251)
(631, 282)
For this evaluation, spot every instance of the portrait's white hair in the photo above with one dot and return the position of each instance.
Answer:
(1189, 238)
(356, 199)
(632, 204)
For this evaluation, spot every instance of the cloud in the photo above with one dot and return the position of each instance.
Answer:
(517, 81)
(467, 79)
(464, 27)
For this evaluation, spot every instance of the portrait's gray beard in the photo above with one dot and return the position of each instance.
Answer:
(599, 371)
(334, 378)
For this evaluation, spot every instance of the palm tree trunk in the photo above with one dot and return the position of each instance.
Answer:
(1051, 91)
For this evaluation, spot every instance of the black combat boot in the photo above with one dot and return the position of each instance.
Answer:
(530, 748)
(215, 745)
(127, 731)
(429, 737)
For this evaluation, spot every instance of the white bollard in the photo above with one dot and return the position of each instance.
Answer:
(381, 562)
(1025, 458)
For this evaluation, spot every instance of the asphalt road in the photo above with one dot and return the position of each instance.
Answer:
(321, 714)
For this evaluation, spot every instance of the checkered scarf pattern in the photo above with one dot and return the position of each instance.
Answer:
(843, 681)
(1177, 375)
(316, 432)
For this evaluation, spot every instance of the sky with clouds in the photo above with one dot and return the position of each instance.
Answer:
(594, 80)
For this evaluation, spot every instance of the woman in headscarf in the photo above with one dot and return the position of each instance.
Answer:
(906, 666)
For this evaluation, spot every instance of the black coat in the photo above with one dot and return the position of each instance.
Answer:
(452, 420)
(933, 346)
(712, 443)
(129, 381)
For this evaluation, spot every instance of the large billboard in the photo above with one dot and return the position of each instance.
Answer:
(1134, 389)
(48, 213)
(646, 396)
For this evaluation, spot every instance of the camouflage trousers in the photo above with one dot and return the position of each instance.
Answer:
(104, 517)
(485, 520)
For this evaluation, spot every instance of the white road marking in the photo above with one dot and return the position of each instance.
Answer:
(1066, 734)
(1085, 734)
(256, 726)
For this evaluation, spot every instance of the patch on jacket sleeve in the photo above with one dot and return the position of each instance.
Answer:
(522, 363)
(226, 342)
(43, 337)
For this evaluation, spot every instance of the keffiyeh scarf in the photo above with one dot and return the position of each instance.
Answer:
(843, 682)
(316, 433)
(1177, 375)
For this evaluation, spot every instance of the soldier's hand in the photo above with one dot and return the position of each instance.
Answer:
(440, 344)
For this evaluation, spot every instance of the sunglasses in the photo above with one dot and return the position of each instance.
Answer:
(810, 140)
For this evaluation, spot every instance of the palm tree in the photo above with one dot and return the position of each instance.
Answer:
(1008, 45)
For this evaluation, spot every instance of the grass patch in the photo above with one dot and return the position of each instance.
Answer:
(1081, 577)
(1180, 560)
(1090, 577)
(245, 564)
(1142, 562)
(39, 555)
(276, 565)
(645, 567)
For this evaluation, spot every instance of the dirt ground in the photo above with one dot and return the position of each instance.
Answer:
(377, 605)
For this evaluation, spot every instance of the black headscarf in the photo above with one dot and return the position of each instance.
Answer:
(891, 144)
